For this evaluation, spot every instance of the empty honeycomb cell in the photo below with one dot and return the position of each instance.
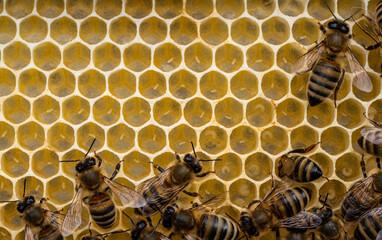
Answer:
(151, 139)
(261, 9)
(211, 188)
(347, 167)
(138, 9)
(213, 85)
(325, 162)
(346, 8)
(32, 82)
(6, 191)
(50, 8)
(46, 109)
(152, 84)
(275, 84)
(136, 111)
(374, 60)
(213, 139)
(60, 190)
(213, 31)
(180, 138)
(137, 57)
(61, 82)
(260, 57)
(33, 186)
(198, 57)
(274, 139)
(7, 29)
(63, 30)
(10, 217)
(305, 31)
(86, 134)
(167, 111)
(30, 135)
(199, 9)
(69, 168)
(60, 137)
(259, 112)
(15, 162)
(229, 58)
(298, 86)
(46, 56)
(258, 166)
(334, 140)
(197, 112)
(7, 137)
(242, 192)
(229, 112)
(183, 30)
(19, 8)
(108, 8)
(167, 57)
(292, 8)
(266, 187)
(230, 9)
(93, 30)
(120, 138)
(375, 110)
(91, 83)
(244, 85)
(303, 137)
(79, 9)
(229, 168)
(287, 55)
(16, 109)
(368, 96)
(334, 188)
(76, 56)
(45, 163)
(275, 30)
(106, 57)
(122, 30)
(136, 165)
(153, 30)
(110, 160)
(75, 109)
(16, 55)
(183, 84)
(290, 112)
(168, 8)
(318, 10)
(106, 110)
(33, 29)
(244, 31)
(4, 234)
(243, 139)
(349, 113)
(164, 160)
(8, 81)
(321, 115)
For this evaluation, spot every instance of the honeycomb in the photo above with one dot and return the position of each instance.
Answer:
(148, 77)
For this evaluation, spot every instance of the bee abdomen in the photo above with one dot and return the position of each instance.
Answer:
(368, 228)
(305, 170)
(102, 210)
(371, 142)
(353, 207)
(50, 233)
(214, 227)
(379, 14)
(291, 202)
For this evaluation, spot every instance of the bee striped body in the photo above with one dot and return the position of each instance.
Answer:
(368, 227)
(379, 14)
(371, 141)
(215, 227)
(50, 233)
(102, 209)
(305, 170)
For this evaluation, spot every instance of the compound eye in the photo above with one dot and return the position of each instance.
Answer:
(20, 208)
(91, 162)
(332, 25)
(30, 200)
(188, 158)
(79, 168)
(344, 29)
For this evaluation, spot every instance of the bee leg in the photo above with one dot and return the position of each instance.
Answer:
(43, 200)
(204, 174)
(338, 87)
(192, 194)
(171, 234)
(86, 200)
(305, 150)
(363, 167)
(160, 169)
(277, 233)
(116, 170)
(378, 163)
(178, 157)
(98, 158)
(322, 28)
(149, 221)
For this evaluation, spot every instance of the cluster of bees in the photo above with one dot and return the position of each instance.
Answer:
(283, 207)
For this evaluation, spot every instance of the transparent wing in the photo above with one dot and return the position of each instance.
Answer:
(306, 61)
(191, 237)
(163, 237)
(372, 212)
(56, 220)
(379, 236)
(361, 80)
(210, 203)
(72, 218)
(369, 134)
(287, 166)
(280, 187)
(302, 220)
(28, 233)
(128, 197)
(153, 181)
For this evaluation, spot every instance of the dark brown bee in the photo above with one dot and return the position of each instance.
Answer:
(98, 189)
(371, 139)
(296, 167)
(325, 62)
(369, 226)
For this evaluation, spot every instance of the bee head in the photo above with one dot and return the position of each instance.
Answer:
(377, 184)
(247, 226)
(85, 164)
(339, 25)
(184, 220)
(168, 216)
(324, 213)
(138, 229)
(25, 203)
(193, 162)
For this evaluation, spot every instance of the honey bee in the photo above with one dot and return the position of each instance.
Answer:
(297, 167)
(369, 226)
(143, 232)
(325, 62)
(371, 139)
(98, 189)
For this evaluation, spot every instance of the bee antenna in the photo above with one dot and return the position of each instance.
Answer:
(326, 4)
(25, 185)
(351, 16)
(9, 201)
(90, 231)
(113, 232)
(193, 148)
(69, 160)
(368, 34)
(90, 148)
(210, 160)
(324, 203)
(160, 219)
(128, 217)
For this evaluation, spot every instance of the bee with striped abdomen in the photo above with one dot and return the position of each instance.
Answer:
(371, 139)
(369, 226)
(325, 62)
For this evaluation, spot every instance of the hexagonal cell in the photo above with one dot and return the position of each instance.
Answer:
(168, 8)
(46, 109)
(374, 111)
(30, 135)
(61, 82)
(230, 9)
(374, 60)
(7, 29)
(75, 109)
(229, 58)
(108, 8)
(198, 57)
(259, 112)
(91, 83)
(287, 55)
(229, 112)
(46, 56)
(152, 84)
(19, 8)
(50, 8)
(275, 30)
(242, 192)
(136, 166)
(243, 139)
(183, 30)
(79, 9)
(93, 30)
(305, 31)
(164, 160)
(60, 137)
(321, 115)
(258, 166)
(120, 138)
(33, 186)
(32, 82)
(229, 168)
(167, 111)
(298, 86)
(244, 85)
(290, 112)
(334, 140)
(153, 30)
(213, 139)
(60, 190)
(198, 112)
(33, 29)
(106, 110)
(137, 57)
(122, 30)
(76, 56)
(303, 137)
(63, 30)
(274, 139)
(368, 96)
(199, 9)
(86, 134)
(325, 162)
(17, 55)
(318, 10)
(359, 35)
(8, 81)
(7, 137)
(110, 160)
(16, 109)
(260, 9)
(122, 83)
(349, 113)
(211, 188)
(183, 84)
(180, 137)
(344, 7)
(106, 57)
(334, 188)
(244, 31)
(347, 167)
(167, 57)
(213, 31)
(260, 57)
(4, 234)
(69, 168)
(15, 162)
(10, 218)
(213, 85)
(151, 139)
(138, 9)
(136, 111)
(265, 188)
(275, 85)
(292, 8)
(45, 163)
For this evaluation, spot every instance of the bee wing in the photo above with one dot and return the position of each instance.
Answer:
(191, 237)
(28, 233)
(211, 203)
(371, 137)
(306, 61)
(280, 187)
(128, 197)
(379, 236)
(56, 220)
(288, 165)
(302, 220)
(163, 237)
(361, 79)
(372, 212)
(72, 218)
